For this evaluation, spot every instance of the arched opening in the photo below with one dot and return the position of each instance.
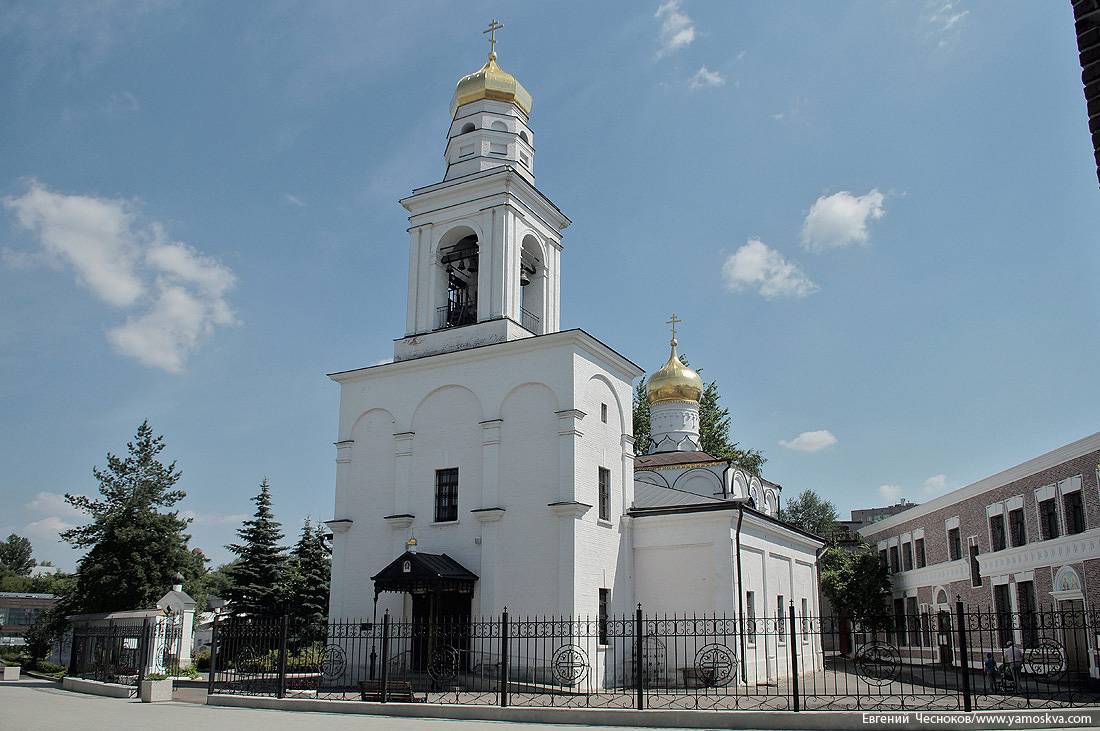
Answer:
(468, 127)
(499, 126)
(523, 136)
(532, 286)
(458, 260)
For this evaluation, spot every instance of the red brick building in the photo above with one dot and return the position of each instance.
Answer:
(1024, 539)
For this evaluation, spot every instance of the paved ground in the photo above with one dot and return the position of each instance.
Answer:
(31, 705)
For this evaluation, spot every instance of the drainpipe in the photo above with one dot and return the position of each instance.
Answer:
(740, 593)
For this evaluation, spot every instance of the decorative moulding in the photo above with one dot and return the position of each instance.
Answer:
(488, 515)
(401, 520)
(339, 525)
(1030, 556)
(570, 509)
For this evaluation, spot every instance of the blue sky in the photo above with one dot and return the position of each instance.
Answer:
(877, 220)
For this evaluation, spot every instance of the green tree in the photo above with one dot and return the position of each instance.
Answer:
(16, 556)
(812, 513)
(135, 545)
(257, 578)
(41, 635)
(714, 427)
(856, 583)
(309, 570)
(208, 584)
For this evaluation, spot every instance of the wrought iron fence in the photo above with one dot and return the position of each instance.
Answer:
(126, 652)
(958, 660)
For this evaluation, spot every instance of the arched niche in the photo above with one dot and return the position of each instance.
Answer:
(457, 258)
(1068, 584)
(699, 481)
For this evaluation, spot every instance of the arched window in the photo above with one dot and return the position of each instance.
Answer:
(499, 126)
(532, 286)
(523, 136)
(468, 127)
(458, 260)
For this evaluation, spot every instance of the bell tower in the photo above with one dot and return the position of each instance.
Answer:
(485, 243)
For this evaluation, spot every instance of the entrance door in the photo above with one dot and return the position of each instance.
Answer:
(440, 619)
(1074, 637)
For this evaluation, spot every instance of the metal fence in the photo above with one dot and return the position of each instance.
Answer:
(958, 660)
(126, 652)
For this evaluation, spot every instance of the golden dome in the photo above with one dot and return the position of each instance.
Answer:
(674, 381)
(491, 82)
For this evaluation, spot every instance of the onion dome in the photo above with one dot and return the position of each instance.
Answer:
(491, 82)
(674, 381)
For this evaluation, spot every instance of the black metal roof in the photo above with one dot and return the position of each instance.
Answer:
(419, 572)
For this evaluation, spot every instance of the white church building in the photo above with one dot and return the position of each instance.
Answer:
(498, 450)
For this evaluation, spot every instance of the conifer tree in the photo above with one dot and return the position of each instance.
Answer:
(257, 587)
(134, 550)
(309, 569)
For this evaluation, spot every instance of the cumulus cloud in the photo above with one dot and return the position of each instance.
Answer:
(704, 78)
(179, 294)
(214, 518)
(810, 441)
(54, 504)
(839, 220)
(758, 266)
(677, 28)
(935, 484)
(47, 529)
(891, 493)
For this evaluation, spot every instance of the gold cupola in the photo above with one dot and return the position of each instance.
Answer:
(674, 381)
(491, 82)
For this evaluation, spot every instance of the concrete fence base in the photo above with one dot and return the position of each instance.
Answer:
(11, 672)
(930, 721)
(95, 687)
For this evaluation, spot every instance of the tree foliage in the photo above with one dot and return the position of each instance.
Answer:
(714, 427)
(16, 556)
(309, 570)
(258, 576)
(135, 545)
(812, 513)
(856, 583)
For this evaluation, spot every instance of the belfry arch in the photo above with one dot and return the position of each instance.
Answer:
(457, 290)
(532, 285)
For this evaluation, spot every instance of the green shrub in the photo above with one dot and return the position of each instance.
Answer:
(156, 676)
(188, 672)
(50, 668)
(202, 659)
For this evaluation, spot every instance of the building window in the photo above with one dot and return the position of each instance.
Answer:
(605, 494)
(907, 556)
(900, 637)
(1075, 512)
(894, 567)
(446, 495)
(1025, 604)
(1004, 614)
(603, 413)
(1048, 519)
(781, 619)
(975, 569)
(750, 617)
(882, 559)
(605, 594)
(922, 560)
(954, 544)
(805, 621)
(997, 532)
(912, 618)
(1016, 528)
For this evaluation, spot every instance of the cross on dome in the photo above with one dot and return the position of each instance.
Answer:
(674, 321)
(494, 26)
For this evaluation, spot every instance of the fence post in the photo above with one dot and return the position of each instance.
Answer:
(964, 652)
(504, 658)
(794, 657)
(639, 673)
(213, 656)
(385, 656)
(143, 650)
(282, 657)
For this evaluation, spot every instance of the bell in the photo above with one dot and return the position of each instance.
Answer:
(524, 279)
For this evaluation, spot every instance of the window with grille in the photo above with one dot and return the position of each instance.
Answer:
(446, 495)
(1016, 527)
(781, 618)
(603, 413)
(1075, 512)
(922, 560)
(805, 620)
(997, 532)
(605, 493)
(975, 568)
(605, 595)
(750, 617)
(1048, 519)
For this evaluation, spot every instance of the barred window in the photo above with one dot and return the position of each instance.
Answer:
(446, 495)
(781, 618)
(605, 595)
(605, 493)
(750, 617)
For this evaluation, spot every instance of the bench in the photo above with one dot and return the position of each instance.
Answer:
(397, 691)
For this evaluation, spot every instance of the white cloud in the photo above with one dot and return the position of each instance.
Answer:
(810, 441)
(935, 484)
(840, 220)
(677, 29)
(704, 78)
(891, 493)
(48, 528)
(126, 264)
(944, 18)
(54, 504)
(756, 265)
(215, 518)
(294, 200)
(120, 103)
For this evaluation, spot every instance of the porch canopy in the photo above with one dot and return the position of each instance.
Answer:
(417, 573)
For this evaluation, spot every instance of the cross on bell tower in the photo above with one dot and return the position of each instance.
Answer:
(494, 26)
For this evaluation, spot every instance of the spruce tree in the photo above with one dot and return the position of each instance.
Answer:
(309, 581)
(16, 556)
(134, 550)
(257, 578)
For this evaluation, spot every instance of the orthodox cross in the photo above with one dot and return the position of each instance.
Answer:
(673, 322)
(492, 31)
